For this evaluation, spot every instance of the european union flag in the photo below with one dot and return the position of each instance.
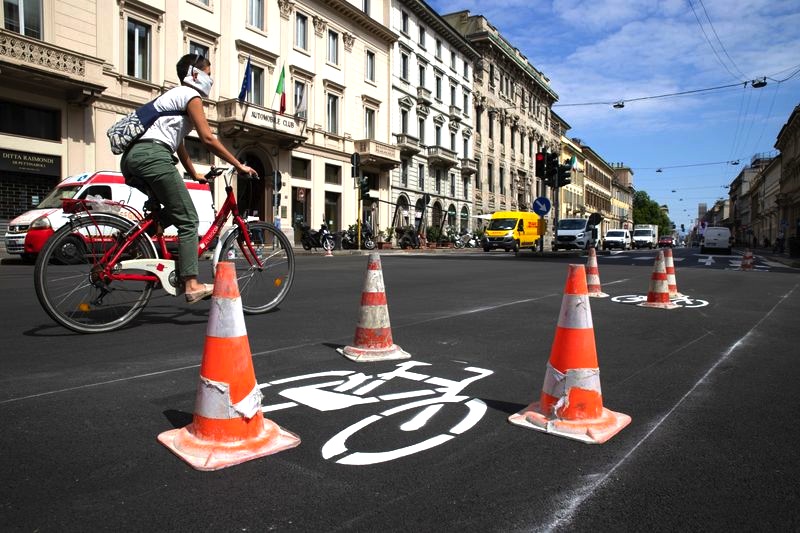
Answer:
(246, 81)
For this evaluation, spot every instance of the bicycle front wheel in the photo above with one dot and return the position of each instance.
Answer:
(69, 279)
(262, 288)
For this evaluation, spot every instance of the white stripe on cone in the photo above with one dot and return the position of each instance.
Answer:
(558, 384)
(373, 317)
(575, 312)
(214, 401)
(226, 318)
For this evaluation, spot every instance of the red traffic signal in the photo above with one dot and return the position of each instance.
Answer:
(540, 165)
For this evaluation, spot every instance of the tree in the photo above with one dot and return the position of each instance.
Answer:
(647, 211)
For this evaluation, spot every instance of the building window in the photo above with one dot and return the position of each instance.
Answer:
(333, 113)
(138, 49)
(466, 148)
(478, 179)
(369, 123)
(452, 185)
(422, 75)
(477, 120)
(438, 183)
(333, 174)
(256, 94)
(453, 141)
(466, 69)
(300, 99)
(370, 65)
(421, 130)
(404, 66)
(465, 106)
(403, 121)
(452, 60)
(300, 168)
(438, 87)
(512, 140)
(421, 41)
(404, 172)
(198, 49)
(465, 183)
(404, 22)
(490, 176)
(452, 95)
(491, 126)
(438, 49)
(333, 47)
(502, 134)
(255, 13)
(491, 74)
(502, 180)
(421, 177)
(30, 121)
(438, 131)
(198, 151)
(301, 31)
(365, 6)
(23, 17)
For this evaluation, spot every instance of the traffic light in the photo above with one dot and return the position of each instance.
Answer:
(551, 170)
(540, 165)
(364, 185)
(564, 175)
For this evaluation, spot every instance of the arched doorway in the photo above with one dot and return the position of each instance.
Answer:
(252, 194)
(464, 220)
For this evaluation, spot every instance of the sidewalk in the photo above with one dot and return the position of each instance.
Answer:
(769, 255)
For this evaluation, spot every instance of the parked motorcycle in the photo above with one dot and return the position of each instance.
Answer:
(349, 238)
(408, 239)
(310, 238)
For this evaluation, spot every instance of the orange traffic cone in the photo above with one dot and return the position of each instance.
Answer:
(672, 283)
(228, 427)
(593, 276)
(747, 261)
(571, 403)
(373, 338)
(658, 296)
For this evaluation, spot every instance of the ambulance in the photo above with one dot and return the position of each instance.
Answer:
(27, 234)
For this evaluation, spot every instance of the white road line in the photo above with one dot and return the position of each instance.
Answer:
(580, 494)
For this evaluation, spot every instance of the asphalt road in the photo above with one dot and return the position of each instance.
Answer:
(711, 388)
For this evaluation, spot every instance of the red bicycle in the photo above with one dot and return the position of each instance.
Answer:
(97, 272)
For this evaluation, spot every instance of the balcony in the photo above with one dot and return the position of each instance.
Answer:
(377, 155)
(424, 96)
(441, 157)
(455, 113)
(468, 166)
(30, 65)
(408, 144)
(249, 121)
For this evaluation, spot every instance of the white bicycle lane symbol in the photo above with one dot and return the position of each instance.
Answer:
(682, 301)
(351, 388)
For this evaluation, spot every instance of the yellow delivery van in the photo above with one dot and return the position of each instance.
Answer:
(512, 230)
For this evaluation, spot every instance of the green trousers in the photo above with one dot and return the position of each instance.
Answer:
(154, 165)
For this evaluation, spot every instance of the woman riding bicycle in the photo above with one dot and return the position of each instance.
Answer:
(150, 161)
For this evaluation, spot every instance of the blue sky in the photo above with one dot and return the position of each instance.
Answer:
(610, 50)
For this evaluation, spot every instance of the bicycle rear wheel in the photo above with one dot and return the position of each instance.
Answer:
(262, 289)
(68, 279)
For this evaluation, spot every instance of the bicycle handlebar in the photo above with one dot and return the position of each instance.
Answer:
(215, 172)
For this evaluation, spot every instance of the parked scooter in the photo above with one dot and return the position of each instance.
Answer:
(408, 239)
(310, 238)
(349, 238)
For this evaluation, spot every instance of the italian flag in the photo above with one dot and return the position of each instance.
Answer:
(281, 90)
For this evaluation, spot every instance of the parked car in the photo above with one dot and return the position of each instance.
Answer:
(666, 241)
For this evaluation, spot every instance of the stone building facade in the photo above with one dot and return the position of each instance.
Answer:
(512, 118)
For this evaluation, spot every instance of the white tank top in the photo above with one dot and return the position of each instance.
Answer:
(171, 130)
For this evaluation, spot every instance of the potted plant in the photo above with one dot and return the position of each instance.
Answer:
(432, 234)
(385, 239)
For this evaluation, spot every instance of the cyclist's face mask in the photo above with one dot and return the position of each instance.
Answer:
(199, 80)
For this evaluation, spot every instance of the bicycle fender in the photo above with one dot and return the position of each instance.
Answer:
(218, 249)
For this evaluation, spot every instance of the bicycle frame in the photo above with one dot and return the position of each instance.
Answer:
(162, 268)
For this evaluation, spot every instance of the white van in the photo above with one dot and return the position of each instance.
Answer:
(28, 233)
(716, 238)
(618, 238)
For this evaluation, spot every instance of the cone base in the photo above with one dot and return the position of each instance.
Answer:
(676, 296)
(590, 431)
(365, 355)
(659, 305)
(598, 294)
(213, 455)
